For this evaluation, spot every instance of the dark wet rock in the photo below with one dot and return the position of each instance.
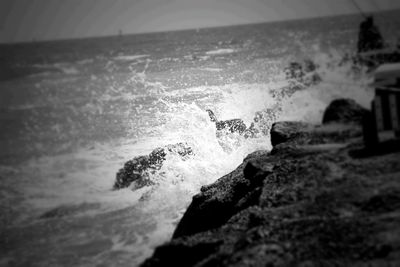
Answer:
(305, 133)
(344, 111)
(217, 203)
(282, 132)
(232, 126)
(190, 253)
(138, 169)
(255, 168)
(386, 201)
(260, 125)
(135, 170)
(256, 155)
(308, 202)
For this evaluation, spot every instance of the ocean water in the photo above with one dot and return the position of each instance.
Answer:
(73, 111)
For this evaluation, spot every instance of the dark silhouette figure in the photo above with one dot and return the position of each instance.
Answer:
(369, 37)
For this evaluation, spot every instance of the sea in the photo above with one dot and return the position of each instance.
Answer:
(72, 112)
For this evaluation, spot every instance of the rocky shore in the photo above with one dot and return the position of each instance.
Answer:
(318, 198)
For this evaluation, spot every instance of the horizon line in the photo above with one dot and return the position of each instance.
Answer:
(119, 31)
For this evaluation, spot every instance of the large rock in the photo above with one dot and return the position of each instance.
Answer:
(301, 133)
(138, 169)
(238, 190)
(307, 203)
(218, 202)
(344, 111)
(284, 131)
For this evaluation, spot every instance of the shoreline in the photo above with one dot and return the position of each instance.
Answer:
(317, 198)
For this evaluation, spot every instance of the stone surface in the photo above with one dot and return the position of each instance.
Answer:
(137, 170)
(345, 111)
(230, 126)
(284, 131)
(305, 133)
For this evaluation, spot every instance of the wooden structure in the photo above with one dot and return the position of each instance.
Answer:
(376, 57)
(384, 122)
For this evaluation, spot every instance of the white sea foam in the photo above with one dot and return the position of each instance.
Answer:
(221, 51)
(67, 69)
(130, 57)
(212, 69)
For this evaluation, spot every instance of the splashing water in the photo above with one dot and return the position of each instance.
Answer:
(81, 182)
(79, 132)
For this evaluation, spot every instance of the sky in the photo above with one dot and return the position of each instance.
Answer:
(26, 20)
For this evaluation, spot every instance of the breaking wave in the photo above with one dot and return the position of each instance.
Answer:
(155, 115)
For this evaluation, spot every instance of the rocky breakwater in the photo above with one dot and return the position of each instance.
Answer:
(136, 172)
(316, 199)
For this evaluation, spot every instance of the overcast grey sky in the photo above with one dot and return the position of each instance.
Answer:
(24, 20)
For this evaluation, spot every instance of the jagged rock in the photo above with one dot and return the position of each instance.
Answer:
(284, 131)
(189, 253)
(217, 203)
(256, 155)
(344, 111)
(255, 168)
(137, 170)
(232, 125)
(260, 125)
(301, 133)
